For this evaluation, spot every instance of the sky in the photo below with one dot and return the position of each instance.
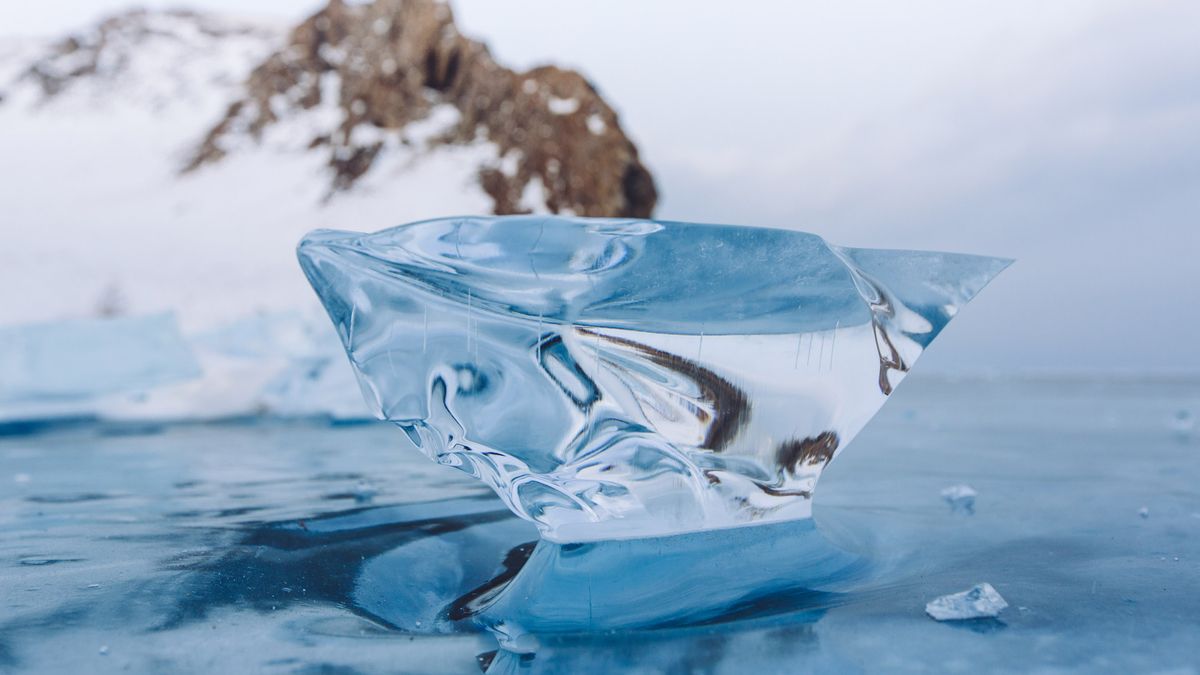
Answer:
(1065, 135)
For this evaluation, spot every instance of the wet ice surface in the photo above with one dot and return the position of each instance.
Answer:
(304, 548)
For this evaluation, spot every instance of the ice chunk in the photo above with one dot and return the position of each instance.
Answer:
(961, 498)
(1183, 423)
(273, 364)
(1144, 512)
(624, 378)
(981, 601)
(141, 368)
(364, 492)
(60, 363)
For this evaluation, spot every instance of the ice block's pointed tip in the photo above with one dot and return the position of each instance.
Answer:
(321, 239)
(990, 267)
(318, 253)
(323, 257)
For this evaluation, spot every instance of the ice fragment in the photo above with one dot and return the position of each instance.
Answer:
(961, 498)
(78, 359)
(981, 601)
(1183, 423)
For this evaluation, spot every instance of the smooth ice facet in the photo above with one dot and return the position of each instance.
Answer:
(980, 602)
(626, 378)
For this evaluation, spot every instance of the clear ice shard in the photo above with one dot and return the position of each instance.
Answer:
(614, 378)
(981, 601)
(961, 498)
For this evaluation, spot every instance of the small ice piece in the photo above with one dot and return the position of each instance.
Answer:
(22, 478)
(1183, 423)
(558, 359)
(364, 492)
(103, 650)
(981, 601)
(961, 498)
(1144, 512)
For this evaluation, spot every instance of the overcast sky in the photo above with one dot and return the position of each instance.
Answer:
(1065, 134)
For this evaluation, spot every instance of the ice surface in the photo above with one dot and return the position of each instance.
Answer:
(980, 602)
(194, 532)
(623, 378)
(961, 498)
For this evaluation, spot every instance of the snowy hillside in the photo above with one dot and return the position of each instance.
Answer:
(170, 161)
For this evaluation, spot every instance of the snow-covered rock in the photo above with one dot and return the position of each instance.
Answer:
(170, 162)
(174, 159)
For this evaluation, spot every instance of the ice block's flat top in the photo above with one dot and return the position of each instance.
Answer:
(663, 276)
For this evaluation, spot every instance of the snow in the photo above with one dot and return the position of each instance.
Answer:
(511, 162)
(596, 125)
(441, 119)
(533, 196)
(562, 106)
(100, 203)
(101, 211)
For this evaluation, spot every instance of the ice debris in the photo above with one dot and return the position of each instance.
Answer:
(1144, 512)
(60, 362)
(961, 498)
(139, 368)
(364, 492)
(1183, 423)
(980, 602)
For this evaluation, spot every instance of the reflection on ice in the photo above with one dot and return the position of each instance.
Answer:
(681, 580)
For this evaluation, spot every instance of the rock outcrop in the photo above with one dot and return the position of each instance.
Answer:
(392, 64)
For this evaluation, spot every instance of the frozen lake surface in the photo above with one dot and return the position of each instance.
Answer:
(298, 547)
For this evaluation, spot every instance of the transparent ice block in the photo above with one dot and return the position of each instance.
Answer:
(614, 378)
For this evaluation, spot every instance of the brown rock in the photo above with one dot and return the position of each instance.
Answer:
(397, 59)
